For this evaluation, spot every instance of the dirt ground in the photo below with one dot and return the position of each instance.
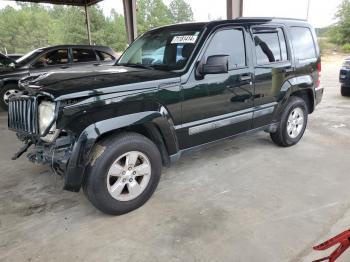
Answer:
(243, 199)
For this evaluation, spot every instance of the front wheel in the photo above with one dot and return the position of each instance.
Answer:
(5, 93)
(123, 173)
(292, 123)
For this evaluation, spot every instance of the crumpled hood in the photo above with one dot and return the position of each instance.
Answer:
(58, 83)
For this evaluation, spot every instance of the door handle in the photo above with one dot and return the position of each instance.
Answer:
(64, 67)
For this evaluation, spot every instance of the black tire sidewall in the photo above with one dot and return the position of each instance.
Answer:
(95, 184)
(3, 90)
(294, 103)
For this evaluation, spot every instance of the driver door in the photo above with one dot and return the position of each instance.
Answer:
(219, 105)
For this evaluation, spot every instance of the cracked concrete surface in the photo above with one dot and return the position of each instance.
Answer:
(243, 199)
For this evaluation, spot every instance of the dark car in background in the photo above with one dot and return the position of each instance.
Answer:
(42, 60)
(344, 77)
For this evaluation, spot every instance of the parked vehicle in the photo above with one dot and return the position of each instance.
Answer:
(344, 77)
(111, 131)
(39, 61)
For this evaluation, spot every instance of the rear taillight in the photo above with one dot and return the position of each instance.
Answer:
(318, 80)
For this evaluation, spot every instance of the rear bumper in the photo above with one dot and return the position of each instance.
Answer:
(318, 94)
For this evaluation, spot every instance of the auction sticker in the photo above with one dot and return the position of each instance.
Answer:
(184, 39)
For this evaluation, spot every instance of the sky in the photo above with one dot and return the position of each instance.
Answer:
(321, 12)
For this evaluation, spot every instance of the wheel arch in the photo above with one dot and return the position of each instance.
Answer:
(300, 86)
(156, 125)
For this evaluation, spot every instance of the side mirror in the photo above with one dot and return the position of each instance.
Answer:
(216, 64)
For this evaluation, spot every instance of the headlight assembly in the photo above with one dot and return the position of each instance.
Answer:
(46, 115)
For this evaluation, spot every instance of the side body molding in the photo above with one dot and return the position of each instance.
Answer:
(82, 148)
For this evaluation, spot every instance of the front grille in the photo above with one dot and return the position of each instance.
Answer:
(22, 114)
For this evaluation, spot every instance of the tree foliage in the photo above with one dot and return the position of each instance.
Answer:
(34, 25)
(180, 11)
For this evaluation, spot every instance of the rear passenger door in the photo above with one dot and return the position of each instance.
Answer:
(272, 66)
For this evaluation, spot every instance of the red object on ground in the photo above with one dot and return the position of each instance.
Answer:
(342, 239)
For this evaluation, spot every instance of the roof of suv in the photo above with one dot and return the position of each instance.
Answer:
(75, 46)
(240, 20)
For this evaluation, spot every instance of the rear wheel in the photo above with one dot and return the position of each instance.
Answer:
(345, 91)
(292, 124)
(123, 173)
(5, 93)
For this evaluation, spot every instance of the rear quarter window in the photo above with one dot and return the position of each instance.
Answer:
(303, 43)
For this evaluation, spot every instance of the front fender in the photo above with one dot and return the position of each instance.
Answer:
(80, 154)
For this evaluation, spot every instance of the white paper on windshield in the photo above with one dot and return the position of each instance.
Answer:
(184, 39)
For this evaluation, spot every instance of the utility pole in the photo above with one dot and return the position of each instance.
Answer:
(308, 9)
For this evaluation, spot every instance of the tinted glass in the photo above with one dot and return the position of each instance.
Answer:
(303, 43)
(164, 49)
(56, 57)
(270, 46)
(104, 56)
(229, 42)
(83, 55)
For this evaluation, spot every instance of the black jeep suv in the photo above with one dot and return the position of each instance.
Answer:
(39, 61)
(111, 130)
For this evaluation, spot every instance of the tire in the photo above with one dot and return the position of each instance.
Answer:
(98, 183)
(345, 91)
(289, 135)
(5, 92)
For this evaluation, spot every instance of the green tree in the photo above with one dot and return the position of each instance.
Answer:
(151, 14)
(180, 11)
(342, 29)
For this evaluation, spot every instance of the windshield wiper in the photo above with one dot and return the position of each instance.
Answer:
(137, 65)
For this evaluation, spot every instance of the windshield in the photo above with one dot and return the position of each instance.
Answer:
(161, 49)
(28, 57)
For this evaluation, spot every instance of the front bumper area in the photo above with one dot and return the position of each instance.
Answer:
(55, 155)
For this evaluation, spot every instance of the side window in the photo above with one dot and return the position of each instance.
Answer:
(83, 55)
(56, 57)
(270, 45)
(303, 43)
(104, 56)
(229, 42)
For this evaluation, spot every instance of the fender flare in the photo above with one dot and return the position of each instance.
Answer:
(293, 86)
(82, 148)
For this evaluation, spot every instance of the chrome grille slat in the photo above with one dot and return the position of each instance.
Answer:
(23, 114)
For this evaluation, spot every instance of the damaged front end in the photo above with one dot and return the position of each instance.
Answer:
(33, 118)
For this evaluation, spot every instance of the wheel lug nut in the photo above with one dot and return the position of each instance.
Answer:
(134, 173)
(123, 172)
(130, 180)
(130, 168)
(124, 180)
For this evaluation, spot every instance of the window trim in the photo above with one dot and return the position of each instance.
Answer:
(271, 27)
(227, 27)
